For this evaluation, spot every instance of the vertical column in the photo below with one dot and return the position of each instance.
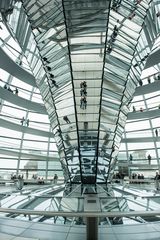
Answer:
(92, 228)
(91, 204)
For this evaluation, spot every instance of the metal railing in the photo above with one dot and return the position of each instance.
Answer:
(81, 214)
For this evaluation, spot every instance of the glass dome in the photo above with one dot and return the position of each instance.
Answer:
(35, 49)
(80, 98)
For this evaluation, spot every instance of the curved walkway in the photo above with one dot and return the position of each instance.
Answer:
(153, 59)
(28, 155)
(7, 64)
(148, 88)
(143, 115)
(139, 139)
(21, 102)
(20, 128)
(140, 165)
